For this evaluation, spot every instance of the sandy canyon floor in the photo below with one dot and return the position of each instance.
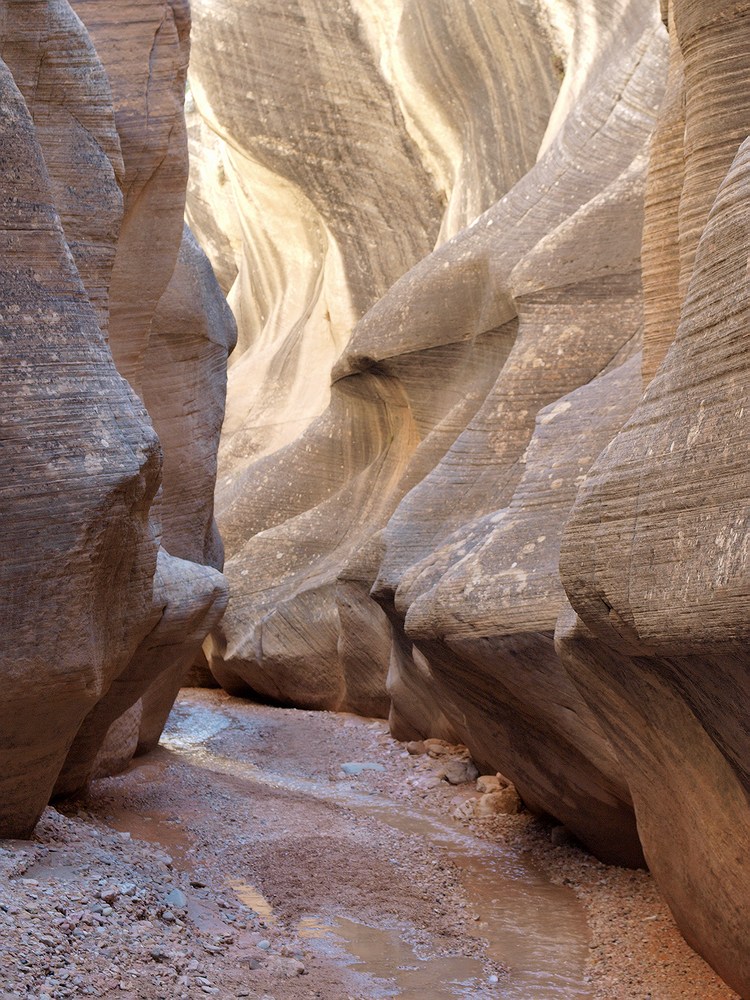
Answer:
(242, 859)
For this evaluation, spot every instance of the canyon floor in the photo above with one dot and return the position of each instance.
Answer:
(241, 859)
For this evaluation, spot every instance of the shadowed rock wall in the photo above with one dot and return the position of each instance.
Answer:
(656, 555)
(91, 203)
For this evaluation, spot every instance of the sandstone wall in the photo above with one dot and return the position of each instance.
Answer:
(656, 555)
(529, 134)
(97, 600)
(458, 255)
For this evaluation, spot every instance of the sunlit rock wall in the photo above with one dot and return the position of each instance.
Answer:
(472, 591)
(91, 202)
(656, 557)
(342, 184)
(442, 213)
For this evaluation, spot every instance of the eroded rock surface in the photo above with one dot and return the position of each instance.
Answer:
(81, 469)
(655, 559)
(403, 527)
(92, 195)
(534, 290)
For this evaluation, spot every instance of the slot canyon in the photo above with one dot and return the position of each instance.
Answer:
(376, 444)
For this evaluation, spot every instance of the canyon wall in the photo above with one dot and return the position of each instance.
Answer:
(114, 352)
(456, 242)
(656, 555)
(460, 242)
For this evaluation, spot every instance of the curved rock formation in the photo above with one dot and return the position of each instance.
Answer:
(434, 399)
(184, 388)
(380, 214)
(81, 469)
(448, 330)
(339, 190)
(94, 608)
(144, 46)
(655, 559)
(494, 676)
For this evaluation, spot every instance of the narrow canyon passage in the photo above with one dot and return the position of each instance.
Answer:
(275, 853)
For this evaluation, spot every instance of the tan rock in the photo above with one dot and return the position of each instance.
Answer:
(188, 600)
(409, 407)
(57, 69)
(491, 783)
(144, 47)
(655, 558)
(184, 387)
(502, 802)
(438, 748)
(495, 668)
(170, 328)
(82, 260)
(458, 772)
(120, 743)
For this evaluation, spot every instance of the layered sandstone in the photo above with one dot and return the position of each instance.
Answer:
(81, 471)
(92, 195)
(443, 277)
(655, 558)
(534, 290)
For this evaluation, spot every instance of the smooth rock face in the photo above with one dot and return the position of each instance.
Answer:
(56, 68)
(144, 46)
(494, 671)
(448, 333)
(184, 388)
(94, 607)
(343, 184)
(327, 232)
(655, 563)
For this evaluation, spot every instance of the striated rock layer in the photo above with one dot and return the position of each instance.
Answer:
(656, 556)
(105, 585)
(534, 290)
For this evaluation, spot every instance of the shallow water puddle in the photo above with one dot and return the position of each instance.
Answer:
(250, 896)
(384, 955)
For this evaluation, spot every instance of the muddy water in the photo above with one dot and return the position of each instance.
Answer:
(535, 929)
